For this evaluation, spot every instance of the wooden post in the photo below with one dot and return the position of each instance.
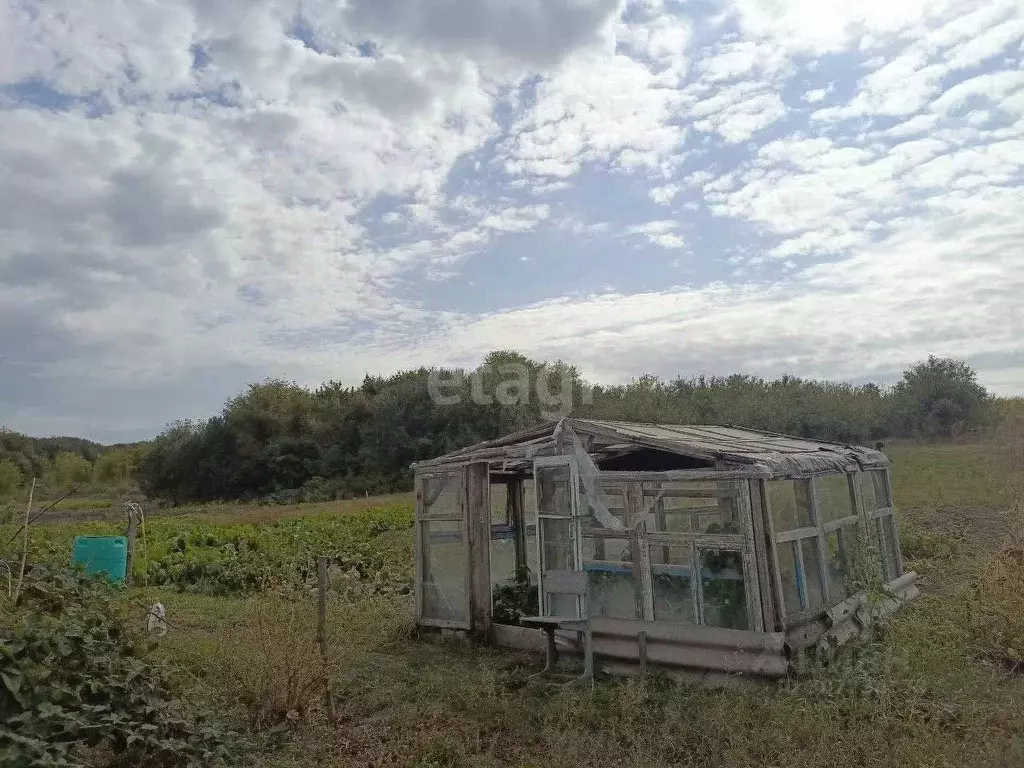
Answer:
(321, 632)
(24, 546)
(478, 526)
(130, 534)
(517, 517)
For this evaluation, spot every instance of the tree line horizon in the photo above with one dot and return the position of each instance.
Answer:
(280, 442)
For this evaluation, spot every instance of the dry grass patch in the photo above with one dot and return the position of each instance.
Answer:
(998, 618)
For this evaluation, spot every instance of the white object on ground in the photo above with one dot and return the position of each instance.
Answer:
(157, 620)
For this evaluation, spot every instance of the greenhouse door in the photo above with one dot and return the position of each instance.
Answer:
(442, 550)
(556, 485)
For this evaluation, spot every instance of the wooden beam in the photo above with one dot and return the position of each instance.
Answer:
(691, 493)
(478, 518)
(759, 549)
(683, 475)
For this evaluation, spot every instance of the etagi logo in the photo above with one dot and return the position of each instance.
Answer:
(511, 384)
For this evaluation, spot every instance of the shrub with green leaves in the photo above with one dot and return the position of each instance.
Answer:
(77, 686)
(242, 558)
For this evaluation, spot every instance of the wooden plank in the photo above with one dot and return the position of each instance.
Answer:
(634, 513)
(600, 534)
(798, 533)
(478, 518)
(646, 577)
(683, 475)
(895, 525)
(321, 631)
(703, 540)
(671, 446)
(707, 509)
(539, 545)
(819, 542)
(758, 549)
(515, 495)
(835, 525)
(489, 454)
(773, 554)
(690, 493)
(661, 524)
(419, 550)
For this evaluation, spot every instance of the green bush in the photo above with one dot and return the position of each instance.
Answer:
(79, 689)
(11, 477)
(242, 558)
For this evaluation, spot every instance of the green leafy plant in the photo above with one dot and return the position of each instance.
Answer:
(77, 687)
(515, 599)
(245, 558)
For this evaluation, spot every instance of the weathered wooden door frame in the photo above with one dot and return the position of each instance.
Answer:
(550, 462)
(421, 546)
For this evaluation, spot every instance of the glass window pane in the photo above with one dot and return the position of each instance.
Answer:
(557, 545)
(833, 493)
(689, 507)
(561, 605)
(812, 573)
(790, 503)
(613, 497)
(499, 503)
(889, 547)
(839, 548)
(442, 495)
(789, 570)
(724, 589)
(444, 570)
(558, 554)
(530, 516)
(609, 568)
(875, 569)
(502, 555)
(872, 489)
(671, 576)
(553, 491)
(503, 537)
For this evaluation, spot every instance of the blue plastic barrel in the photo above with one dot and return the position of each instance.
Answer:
(101, 554)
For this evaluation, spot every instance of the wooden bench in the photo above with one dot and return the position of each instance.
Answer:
(572, 583)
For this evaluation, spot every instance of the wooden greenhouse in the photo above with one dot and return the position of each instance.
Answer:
(702, 549)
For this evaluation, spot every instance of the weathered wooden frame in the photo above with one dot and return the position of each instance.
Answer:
(421, 545)
(509, 462)
(572, 519)
(641, 539)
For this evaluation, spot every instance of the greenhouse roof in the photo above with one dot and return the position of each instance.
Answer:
(722, 447)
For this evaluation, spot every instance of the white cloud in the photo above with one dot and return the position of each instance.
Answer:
(517, 219)
(664, 194)
(659, 227)
(593, 110)
(196, 195)
(992, 86)
(738, 112)
(819, 322)
(668, 240)
(661, 233)
(817, 95)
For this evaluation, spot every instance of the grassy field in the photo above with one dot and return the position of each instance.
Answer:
(940, 686)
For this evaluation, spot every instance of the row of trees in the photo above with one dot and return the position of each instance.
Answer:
(59, 463)
(283, 441)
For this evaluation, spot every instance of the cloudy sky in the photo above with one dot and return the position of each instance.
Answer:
(196, 194)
